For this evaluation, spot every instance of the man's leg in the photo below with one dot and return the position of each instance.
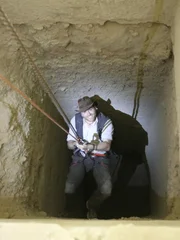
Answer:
(74, 178)
(75, 175)
(103, 179)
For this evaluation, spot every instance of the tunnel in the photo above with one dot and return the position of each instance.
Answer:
(122, 54)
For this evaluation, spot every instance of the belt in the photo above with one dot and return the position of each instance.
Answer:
(98, 154)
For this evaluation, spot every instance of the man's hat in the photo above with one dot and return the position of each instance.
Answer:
(84, 104)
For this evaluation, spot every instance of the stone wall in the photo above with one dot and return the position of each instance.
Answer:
(105, 48)
(32, 149)
(84, 12)
(174, 197)
(163, 148)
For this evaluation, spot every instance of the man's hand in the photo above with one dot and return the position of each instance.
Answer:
(83, 147)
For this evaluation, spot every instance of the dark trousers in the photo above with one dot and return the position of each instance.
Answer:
(100, 168)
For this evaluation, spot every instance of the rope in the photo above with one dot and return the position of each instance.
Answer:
(6, 81)
(40, 77)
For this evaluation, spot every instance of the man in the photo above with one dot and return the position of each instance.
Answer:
(96, 130)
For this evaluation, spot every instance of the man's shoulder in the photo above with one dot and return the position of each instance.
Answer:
(103, 121)
(72, 120)
(102, 116)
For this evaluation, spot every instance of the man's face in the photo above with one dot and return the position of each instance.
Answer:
(89, 115)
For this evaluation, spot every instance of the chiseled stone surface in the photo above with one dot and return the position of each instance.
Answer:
(41, 13)
(29, 142)
(84, 48)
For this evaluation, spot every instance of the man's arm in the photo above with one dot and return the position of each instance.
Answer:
(106, 137)
(71, 144)
(103, 146)
(70, 140)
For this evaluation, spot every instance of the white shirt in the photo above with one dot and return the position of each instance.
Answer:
(90, 132)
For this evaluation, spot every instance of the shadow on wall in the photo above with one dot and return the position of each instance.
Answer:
(129, 136)
(131, 190)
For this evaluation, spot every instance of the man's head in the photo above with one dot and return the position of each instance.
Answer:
(87, 109)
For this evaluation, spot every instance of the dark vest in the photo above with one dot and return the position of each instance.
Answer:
(102, 119)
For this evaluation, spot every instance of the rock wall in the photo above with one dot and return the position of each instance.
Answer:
(83, 12)
(163, 148)
(82, 59)
(32, 149)
(113, 49)
(175, 173)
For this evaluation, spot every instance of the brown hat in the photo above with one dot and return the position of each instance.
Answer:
(84, 104)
